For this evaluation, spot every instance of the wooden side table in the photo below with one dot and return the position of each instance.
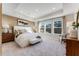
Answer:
(6, 37)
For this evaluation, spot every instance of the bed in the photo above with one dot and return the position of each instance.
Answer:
(50, 46)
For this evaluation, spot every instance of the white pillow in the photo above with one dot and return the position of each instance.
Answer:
(35, 40)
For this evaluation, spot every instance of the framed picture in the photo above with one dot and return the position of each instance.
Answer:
(22, 22)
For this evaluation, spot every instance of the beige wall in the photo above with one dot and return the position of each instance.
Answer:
(0, 28)
(8, 20)
(12, 21)
(64, 24)
(69, 20)
(0, 21)
(37, 26)
(0, 15)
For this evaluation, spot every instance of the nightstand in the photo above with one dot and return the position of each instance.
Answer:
(7, 37)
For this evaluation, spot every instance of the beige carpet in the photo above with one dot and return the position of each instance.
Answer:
(45, 48)
(50, 46)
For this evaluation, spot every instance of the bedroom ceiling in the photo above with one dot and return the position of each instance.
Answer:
(30, 11)
(36, 11)
(69, 8)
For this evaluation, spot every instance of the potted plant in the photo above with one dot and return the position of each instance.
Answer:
(75, 26)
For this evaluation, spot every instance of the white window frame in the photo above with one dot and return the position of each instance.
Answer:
(52, 25)
(58, 19)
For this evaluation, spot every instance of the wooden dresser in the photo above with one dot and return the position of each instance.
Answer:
(72, 47)
(6, 37)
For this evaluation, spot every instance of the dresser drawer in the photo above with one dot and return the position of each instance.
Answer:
(72, 43)
(6, 37)
(72, 47)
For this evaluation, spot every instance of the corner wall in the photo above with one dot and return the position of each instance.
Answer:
(0, 28)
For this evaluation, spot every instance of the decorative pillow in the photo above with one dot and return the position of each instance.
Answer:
(23, 40)
(22, 43)
(18, 32)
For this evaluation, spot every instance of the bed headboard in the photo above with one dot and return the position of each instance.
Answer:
(21, 29)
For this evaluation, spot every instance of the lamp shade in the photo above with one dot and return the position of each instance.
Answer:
(5, 26)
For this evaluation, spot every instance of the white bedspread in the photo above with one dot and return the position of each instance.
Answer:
(48, 47)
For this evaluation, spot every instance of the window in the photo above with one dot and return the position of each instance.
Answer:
(51, 26)
(45, 26)
(48, 28)
(58, 27)
(42, 28)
